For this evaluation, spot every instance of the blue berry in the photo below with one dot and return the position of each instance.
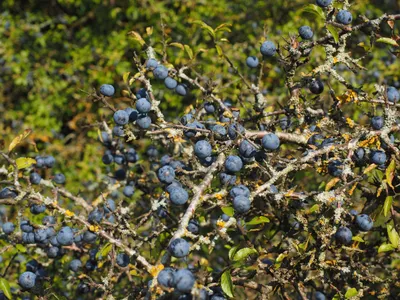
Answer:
(268, 49)
(120, 174)
(142, 93)
(209, 107)
(316, 86)
(75, 265)
(166, 174)
(306, 32)
(27, 280)
(364, 222)
(241, 204)
(252, 62)
(392, 94)
(53, 252)
(133, 115)
(121, 117)
(178, 196)
(193, 226)
(107, 158)
(179, 247)
(161, 72)
(28, 238)
(324, 3)
(233, 164)
(119, 159)
(335, 168)
(118, 131)
(128, 191)
(270, 141)
(151, 64)
(49, 161)
(26, 226)
(95, 216)
(172, 186)
(40, 235)
(319, 296)
(32, 266)
(59, 178)
(227, 179)
(89, 237)
(37, 209)
(8, 228)
(246, 149)
(166, 277)
(344, 17)
(202, 149)
(219, 131)
(122, 260)
(181, 89)
(225, 217)
(344, 235)
(377, 122)
(35, 178)
(239, 190)
(7, 193)
(109, 206)
(170, 83)
(143, 122)
(107, 90)
(378, 157)
(65, 236)
(131, 155)
(184, 280)
(143, 105)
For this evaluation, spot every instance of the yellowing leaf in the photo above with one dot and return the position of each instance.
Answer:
(149, 30)
(24, 162)
(370, 168)
(18, 139)
(137, 37)
(351, 293)
(5, 287)
(385, 248)
(156, 269)
(177, 45)
(387, 41)
(331, 184)
(125, 76)
(390, 173)
(393, 235)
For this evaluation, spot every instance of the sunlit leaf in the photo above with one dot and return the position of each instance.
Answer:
(351, 293)
(315, 10)
(258, 220)
(24, 162)
(388, 41)
(333, 30)
(393, 235)
(5, 287)
(244, 253)
(387, 205)
(18, 139)
(226, 283)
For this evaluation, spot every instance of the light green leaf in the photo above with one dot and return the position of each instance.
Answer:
(5, 287)
(387, 205)
(314, 208)
(315, 10)
(336, 297)
(223, 27)
(104, 251)
(387, 41)
(232, 252)
(385, 248)
(227, 284)
(358, 239)
(243, 253)
(189, 51)
(332, 29)
(219, 50)
(178, 45)
(206, 27)
(125, 76)
(351, 293)
(24, 162)
(258, 220)
(228, 210)
(137, 37)
(393, 235)
(20, 248)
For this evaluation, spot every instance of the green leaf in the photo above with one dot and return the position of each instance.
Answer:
(24, 162)
(189, 51)
(219, 50)
(258, 220)
(5, 287)
(243, 253)
(232, 252)
(137, 37)
(332, 29)
(385, 248)
(387, 205)
(358, 239)
(227, 284)
(314, 208)
(104, 251)
(387, 41)
(336, 297)
(315, 10)
(206, 27)
(125, 76)
(393, 235)
(228, 210)
(20, 248)
(223, 27)
(351, 293)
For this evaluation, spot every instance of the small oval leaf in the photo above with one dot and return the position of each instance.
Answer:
(227, 284)
(244, 253)
(5, 287)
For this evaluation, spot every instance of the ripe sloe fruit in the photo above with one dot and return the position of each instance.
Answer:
(179, 247)
(107, 90)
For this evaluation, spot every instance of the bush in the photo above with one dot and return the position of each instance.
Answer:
(207, 195)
